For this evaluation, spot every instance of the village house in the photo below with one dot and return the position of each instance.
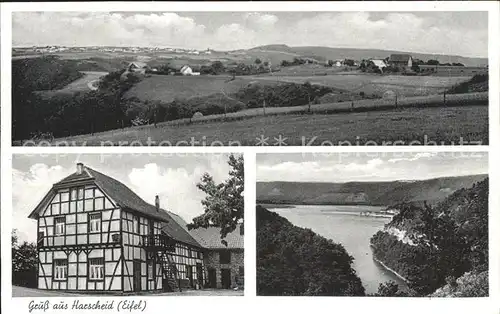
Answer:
(97, 235)
(187, 70)
(403, 62)
(380, 64)
(137, 67)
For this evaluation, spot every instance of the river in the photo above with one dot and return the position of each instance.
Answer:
(344, 225)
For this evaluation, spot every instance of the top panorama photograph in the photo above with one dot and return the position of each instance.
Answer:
(249, 78)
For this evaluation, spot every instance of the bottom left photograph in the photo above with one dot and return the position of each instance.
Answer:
(127, 224)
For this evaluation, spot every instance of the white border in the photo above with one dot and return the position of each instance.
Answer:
(251, 303)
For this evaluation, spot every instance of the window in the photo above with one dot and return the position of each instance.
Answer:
(60, 269)
(95, 222)
(96, 268)
(225, 257)
(136, 224)
(60, 223)
(151, 269)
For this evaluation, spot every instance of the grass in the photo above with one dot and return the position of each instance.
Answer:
(79, 85)
(373, 83)
(166, 87)
(445, 126)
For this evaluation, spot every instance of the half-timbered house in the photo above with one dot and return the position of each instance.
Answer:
(97, 235)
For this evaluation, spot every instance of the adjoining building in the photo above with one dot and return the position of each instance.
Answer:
(97, 235)
(403, 62)
(224, 262)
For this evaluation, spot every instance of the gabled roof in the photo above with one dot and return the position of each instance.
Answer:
(210, 238)
(379, 63)
(138, 64)
(124, 198)
(399, 58)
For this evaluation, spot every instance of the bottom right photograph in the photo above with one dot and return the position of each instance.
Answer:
(372, 224)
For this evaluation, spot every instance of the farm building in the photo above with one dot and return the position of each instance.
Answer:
(380, 64)
(224, 263)
(187, 70)
(137, 67)
(401, 61)
(97, 235)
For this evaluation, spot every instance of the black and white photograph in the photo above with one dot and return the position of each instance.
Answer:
(127, 225)
(380, 225)
(249, 78)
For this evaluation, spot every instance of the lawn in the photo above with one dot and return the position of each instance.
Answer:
(444, 125)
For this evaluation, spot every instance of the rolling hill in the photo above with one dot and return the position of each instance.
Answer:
(325, 53)
(362, 193)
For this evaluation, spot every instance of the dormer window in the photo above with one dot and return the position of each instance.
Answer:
(60, 225)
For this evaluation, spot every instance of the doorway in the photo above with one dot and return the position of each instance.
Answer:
(212, 278)
(225, 278)
(137, 275)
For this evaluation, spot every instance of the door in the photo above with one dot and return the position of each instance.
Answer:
(190, 275)
(225, 278)
(199, 275)
(212, 278)
(137, 275)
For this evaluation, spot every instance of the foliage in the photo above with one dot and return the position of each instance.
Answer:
(224, 203)
(282, 95)
(24, 262)
(442, 243)
(296, 261)
(478, 83)
(73, 114)
(391, 289)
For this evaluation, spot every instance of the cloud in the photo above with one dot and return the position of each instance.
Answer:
(28, 189)
(260, 20)
(318, 171)
(96, 28)
(176, 187)
(428, 32)
(414, 157)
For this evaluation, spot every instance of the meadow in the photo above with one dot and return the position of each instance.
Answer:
(408, 126)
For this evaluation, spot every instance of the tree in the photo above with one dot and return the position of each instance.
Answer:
(258, 61)
(224, 203)
(432, 62)
(24, 262)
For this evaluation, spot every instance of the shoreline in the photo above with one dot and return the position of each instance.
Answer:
(391, 270)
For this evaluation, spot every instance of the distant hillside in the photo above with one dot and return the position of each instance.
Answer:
(325, 53)
(362, 193)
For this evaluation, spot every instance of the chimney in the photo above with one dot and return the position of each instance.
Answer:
(79, 168)
(157, 203)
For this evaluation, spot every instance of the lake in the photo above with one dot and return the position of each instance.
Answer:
(344, 225)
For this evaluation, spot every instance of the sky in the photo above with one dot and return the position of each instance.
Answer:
(347, 167)
(457, 33)
(172, 177)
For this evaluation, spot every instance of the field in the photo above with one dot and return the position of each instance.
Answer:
(167, 87)
(84, 84)
(445, 125)
(370, 84)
